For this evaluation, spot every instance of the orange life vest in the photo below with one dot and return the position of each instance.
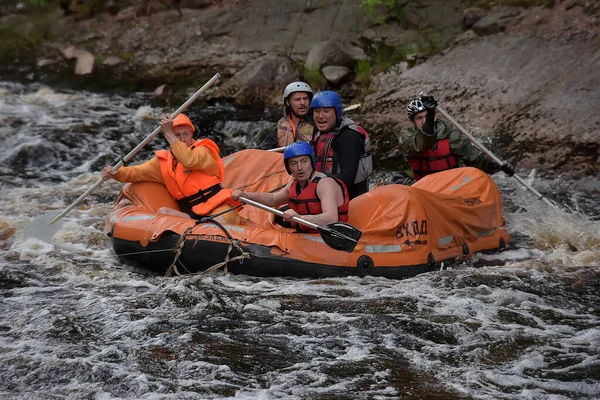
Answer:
(196, 192)
(306, 201)
(431, 161)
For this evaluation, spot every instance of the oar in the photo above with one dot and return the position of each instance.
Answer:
(492, 156)
(212, 216)
(277, 149)
(338, 235)
(133, 152)
(41, 227)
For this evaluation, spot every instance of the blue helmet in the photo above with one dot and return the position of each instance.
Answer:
(299, 149)
(327, 98)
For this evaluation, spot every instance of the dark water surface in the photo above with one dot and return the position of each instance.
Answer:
(523, 324)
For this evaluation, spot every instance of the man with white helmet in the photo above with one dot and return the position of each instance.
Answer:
(295, 126)
(432, 144)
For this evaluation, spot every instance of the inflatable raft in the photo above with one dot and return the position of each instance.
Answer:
(406, 230)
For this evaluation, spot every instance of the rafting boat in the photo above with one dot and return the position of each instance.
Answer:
(442, 219)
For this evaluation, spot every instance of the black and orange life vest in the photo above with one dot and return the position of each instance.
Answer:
(431, 161)
(195, 191)
(326, 156)
(306, 201)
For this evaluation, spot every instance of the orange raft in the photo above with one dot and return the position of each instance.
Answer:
(407, 230)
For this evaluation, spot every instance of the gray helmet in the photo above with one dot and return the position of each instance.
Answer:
(414, 107)
(297, 87)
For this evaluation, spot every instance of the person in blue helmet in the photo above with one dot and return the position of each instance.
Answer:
(342, 148)
(312, 196)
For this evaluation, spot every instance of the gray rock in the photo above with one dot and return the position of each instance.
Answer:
(496, 21)
(336, 74)
(334, 52)
(260, 79)
(471, 17)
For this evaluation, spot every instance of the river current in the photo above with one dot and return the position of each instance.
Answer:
(76, 324)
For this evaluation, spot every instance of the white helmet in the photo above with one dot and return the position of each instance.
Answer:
(414, 107)
(297, 87)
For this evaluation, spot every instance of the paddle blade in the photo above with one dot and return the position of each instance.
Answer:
(42, 228)
(340, 236)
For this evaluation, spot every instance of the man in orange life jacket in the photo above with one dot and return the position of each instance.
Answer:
(312, 196)
(191, 170)
(342, 148)
(432, 144)
(295, 126)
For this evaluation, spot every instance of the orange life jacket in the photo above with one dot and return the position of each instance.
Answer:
(431, 161)
(306, 201)
(196, 192)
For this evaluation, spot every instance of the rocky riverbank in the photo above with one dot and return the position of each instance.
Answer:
(525, 80)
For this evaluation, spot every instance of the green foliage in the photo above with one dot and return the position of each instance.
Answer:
(363, 73)
(19, 37)
(314, 78)
(378, 10)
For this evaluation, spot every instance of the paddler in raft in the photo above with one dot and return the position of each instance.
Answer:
(312, 196)
(431, 144)
(192, 171)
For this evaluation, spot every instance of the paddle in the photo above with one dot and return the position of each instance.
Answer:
(42, 228)
(236, 207)
(337, 235)
(492, 156)
(133, 152)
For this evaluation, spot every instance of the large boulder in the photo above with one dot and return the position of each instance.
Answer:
(334, 52)
(263, 78)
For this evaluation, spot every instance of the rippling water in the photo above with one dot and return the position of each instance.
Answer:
(77, 324)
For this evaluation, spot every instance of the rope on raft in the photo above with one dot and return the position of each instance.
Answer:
(181, 242)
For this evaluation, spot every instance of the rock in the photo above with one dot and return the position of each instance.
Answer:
(334, 52)
(127, 14)
(388, 78)
(496, 21)
(112, 60)
(336, 74)
(465, 37)
(163, 90)
(471, 17)
(260, 79)
(85, 60)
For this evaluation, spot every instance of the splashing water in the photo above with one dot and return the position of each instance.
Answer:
(77, 324)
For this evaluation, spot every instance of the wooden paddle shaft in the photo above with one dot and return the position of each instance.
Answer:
(491, 155)
(137, 148)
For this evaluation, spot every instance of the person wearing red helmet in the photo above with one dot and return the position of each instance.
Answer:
(191, 170)
(312, 196)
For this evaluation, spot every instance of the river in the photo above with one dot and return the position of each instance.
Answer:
(76, 324)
